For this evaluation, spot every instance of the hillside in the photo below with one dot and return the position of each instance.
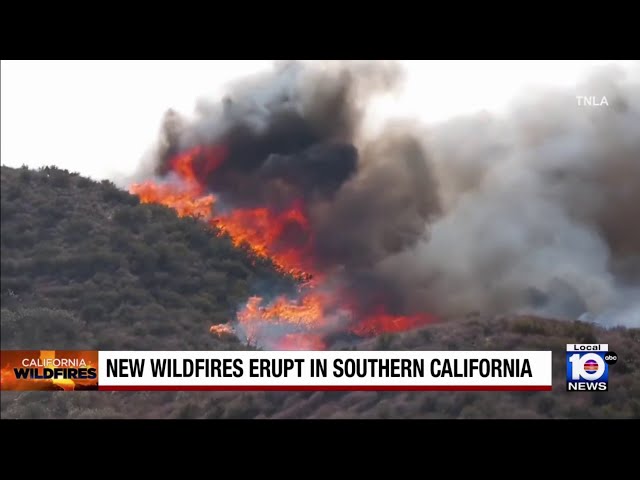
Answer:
(85, 266)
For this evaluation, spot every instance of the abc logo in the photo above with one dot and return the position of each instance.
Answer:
(590, 366)
(611, 358)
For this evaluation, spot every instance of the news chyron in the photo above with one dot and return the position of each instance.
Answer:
(588, 367)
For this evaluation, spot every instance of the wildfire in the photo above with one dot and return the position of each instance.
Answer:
(284, 237)
(221, 329)
(186, 196)
(382, 322)
(182, 199)
(306, 312)
(261, 229)
(264, 230)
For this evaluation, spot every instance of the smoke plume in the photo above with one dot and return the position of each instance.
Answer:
(536, 210)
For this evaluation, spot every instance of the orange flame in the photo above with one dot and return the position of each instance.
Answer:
(262, 230)
(382, 322)
(267, 234)
(186, 196)
(182, 199)
(259, 228)
(221, 329)
(306, 312)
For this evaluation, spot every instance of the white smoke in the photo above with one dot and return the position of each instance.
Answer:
(541, 209)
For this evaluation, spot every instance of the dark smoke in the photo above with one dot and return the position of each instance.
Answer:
(537, 210)
(287, 135)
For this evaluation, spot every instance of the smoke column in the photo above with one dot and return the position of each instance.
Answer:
(540, 209)
(535, 211)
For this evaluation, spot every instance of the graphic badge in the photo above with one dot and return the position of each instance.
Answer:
(48, 370)
(588, 367)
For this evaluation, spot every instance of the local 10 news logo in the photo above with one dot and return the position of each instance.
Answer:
(588, 367)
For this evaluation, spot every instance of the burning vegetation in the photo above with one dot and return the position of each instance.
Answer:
(535, 212)
(276, 169)
(285, 237)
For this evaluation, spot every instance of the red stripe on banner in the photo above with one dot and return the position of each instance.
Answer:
(326, 388)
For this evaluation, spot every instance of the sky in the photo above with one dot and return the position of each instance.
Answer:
(100, 117)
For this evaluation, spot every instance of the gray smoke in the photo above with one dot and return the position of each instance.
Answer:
(541, 209)
(537, 210)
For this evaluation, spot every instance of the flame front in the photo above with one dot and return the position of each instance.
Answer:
(184, 200)
(262, 230)
(307, 312)
(296, 324)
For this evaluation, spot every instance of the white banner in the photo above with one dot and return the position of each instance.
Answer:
(587, 347)
(327, 370)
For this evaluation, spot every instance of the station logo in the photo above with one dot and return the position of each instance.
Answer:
(588, 367)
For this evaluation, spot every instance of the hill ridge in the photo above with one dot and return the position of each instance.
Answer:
(86, 266)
